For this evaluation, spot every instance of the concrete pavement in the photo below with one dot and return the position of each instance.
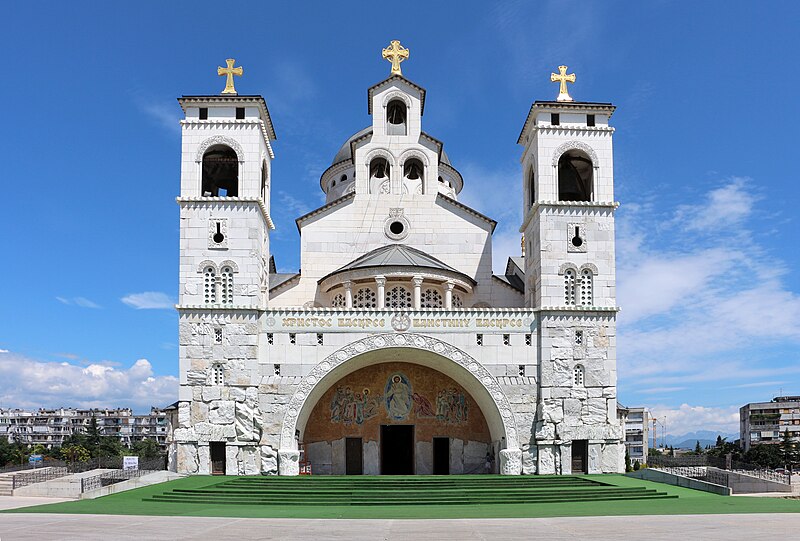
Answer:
(755, 527)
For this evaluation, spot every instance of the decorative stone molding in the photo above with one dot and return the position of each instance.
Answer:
(379, 153)
(231, 264)
(203, 147)
(510, 461)
(388, 341)
(591, 266)
(575, 145)
(414, 153)
(396, 95)
(201, 268)
(566, 266)
(288, 462)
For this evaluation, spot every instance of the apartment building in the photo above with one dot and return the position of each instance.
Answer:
(634, 421)
(765, 422)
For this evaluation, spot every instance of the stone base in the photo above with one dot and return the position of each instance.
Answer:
(510, 462)
(288, 462)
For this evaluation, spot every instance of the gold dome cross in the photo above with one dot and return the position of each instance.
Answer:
(563, 78)
(230, 71)
(395, 53)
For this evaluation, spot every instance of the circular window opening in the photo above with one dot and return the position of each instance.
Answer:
(218, 237)
(397, 228)
(577, 241)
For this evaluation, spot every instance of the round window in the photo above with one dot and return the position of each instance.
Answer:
(396, 228)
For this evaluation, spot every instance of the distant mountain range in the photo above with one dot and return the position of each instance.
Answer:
(690, 439)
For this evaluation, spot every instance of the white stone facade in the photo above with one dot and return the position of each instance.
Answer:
(258, 349)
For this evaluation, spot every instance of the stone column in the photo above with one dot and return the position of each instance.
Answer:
(381, 282)
(448, 295)
(348, 294)
(510, 462)
(417, 280)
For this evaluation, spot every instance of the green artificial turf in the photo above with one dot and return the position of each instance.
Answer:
(134, 502)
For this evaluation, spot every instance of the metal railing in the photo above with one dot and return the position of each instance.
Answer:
(697, 466)
(117, 476)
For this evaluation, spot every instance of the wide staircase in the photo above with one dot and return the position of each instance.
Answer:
(401, 490)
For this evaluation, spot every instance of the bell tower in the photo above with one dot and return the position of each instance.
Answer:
(568, 228)
(226, 164)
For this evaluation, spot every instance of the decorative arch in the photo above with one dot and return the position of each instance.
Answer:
(591, 266)
(396, 95)
(207, 263)
(379, 153)
(575, 145)
(455, 363)
(567, 266)
(203, 147)
(231, 264)
(414, 153)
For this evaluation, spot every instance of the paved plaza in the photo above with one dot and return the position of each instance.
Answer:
(653, 528)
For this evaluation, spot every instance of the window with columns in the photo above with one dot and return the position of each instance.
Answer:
(586, 287)
(398, 297)
(569, 287)
(338, 301)
(431, 299)
(209, 285)
(226, 285)
(364, 298)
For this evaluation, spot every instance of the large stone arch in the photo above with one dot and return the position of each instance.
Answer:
(429, 351)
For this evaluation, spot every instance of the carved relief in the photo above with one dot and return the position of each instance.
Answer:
(219, 140)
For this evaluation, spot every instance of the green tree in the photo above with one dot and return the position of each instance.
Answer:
(636, 466)
(148, 448)
(109, 446)
(75, 453)
(6, 451)
(697, 449)
(765, 455)
(627, 461)
(788, 449)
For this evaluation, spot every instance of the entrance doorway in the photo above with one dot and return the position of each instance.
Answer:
(397, 449)
(580, 456)
(217, 457)
(353, 456)
(441, 456)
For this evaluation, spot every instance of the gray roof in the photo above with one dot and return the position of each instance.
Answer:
(280, 278)
(512, 280)
(397, 255)
(346, 152)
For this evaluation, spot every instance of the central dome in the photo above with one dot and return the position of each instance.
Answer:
(346, 153)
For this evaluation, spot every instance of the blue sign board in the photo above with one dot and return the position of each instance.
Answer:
(34, 459)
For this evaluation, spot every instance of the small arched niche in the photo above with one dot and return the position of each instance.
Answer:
(396, 118)
(379, 170)
(220, 172)
(575, 176)
(531, 187)
(414, 170)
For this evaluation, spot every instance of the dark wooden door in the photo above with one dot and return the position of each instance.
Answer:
(217, 457)
(580, 456)
(441, 456)
(397, 449)
(354, 456)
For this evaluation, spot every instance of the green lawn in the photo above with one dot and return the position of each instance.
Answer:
(688, 502)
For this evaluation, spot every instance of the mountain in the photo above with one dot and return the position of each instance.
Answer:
(690, 439)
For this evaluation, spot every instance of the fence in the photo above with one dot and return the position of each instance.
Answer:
(50, 471)
(697, 466)
(117, 476)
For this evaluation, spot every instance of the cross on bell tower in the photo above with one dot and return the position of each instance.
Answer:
(563, 79)
(230, 71)
(395, 54)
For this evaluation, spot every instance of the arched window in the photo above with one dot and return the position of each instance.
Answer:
(531, 188)
(210, 285)
(364, 298)
(264, 180)
(577, 376)
(226, 285)
(217, 374)
(431, 299)
(398, 297)
(575, 177)
(569, 287)
(343, 178)
(586, 287)
(379, 169)
(413, 170)
(396, 118)
(457, 302)
(338, 301)
(220, 172)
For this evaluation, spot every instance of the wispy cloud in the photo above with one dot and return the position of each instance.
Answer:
(3, 351)
(30, 383)
(686, 418)
(82, 302)
(149, 300)
(163, 114)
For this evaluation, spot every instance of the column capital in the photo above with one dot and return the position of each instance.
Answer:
(417, 281)
(380, 280)
(449, 285)
(348, 284)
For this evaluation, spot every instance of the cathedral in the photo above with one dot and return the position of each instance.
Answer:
(395, 349)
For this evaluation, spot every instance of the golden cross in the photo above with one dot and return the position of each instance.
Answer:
(395, 53)
(563, 78)
(230, 71)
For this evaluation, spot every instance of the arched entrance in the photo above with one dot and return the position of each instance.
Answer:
(417, 349)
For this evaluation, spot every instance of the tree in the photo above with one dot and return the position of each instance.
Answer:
(765, 455)
(75, 453)
(636, 466)
(788, 449)
(627, 461)
(671, 451)
(147, 449)
(697, 449)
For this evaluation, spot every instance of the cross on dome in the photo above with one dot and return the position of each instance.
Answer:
(395, 54)
(230, 71)
(563, 79)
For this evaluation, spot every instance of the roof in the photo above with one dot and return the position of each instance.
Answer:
(511, 280)
(397, 255)
(345, 151)
(564, 106)
(278, 279)
(258, 101)
(470, 210)
(389, 79)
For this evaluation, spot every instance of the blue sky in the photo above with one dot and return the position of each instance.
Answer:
(706, 126)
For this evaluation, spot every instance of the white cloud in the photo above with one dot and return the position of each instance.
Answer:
(3, 351)
(163, 114)
(29, 383)
(149, 300)
(725, 206)
(686, 418)
(82, 302)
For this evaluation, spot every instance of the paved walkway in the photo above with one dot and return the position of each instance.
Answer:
(652, 528)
